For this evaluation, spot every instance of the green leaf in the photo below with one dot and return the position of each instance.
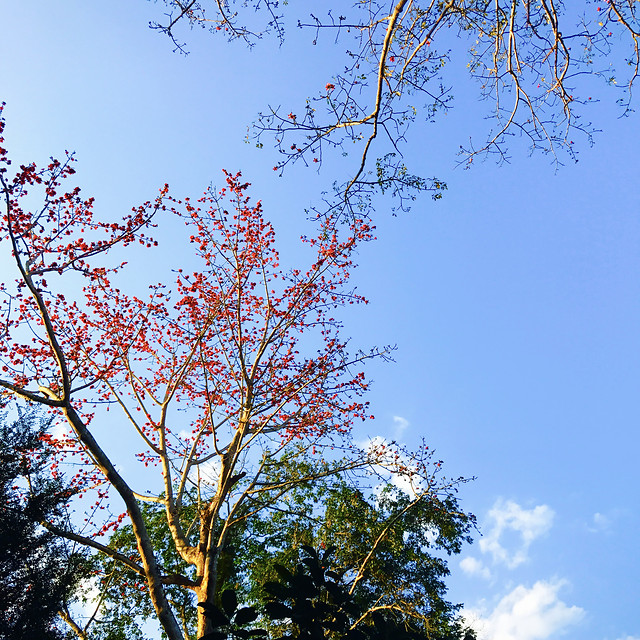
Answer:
(214, 635)
(336, 592)
(283, 572)
(328, 552)
(304, 585)
(215, 615)
(309, 550)
(229, 601)
(277, 610)
(278, 590)
(302, 612)
(316, 571)
(245, 615)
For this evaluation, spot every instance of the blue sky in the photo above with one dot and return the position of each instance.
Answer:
(514, 301)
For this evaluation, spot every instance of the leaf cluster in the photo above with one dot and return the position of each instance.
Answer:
(270, 538)
(229, 620)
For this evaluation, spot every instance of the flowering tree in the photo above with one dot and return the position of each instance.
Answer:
(211, 377)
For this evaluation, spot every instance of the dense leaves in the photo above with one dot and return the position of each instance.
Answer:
(36, 572)
(388, 548)
(312, 602)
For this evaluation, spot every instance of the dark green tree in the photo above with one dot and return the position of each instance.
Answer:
(36, 569)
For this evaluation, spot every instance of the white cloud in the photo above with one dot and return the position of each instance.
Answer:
(85, 607)
(600, 523)
(372, 442)
(60, 430)
(183, 434)
(601, 520)
(400, 426)
(392, 465)
(474, 567)
(629, 638)
(207, 472)
(606, 522)
(526, 614)
(508, 516)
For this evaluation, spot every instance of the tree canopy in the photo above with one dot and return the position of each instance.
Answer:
(232, 373)
(312, 601)
(389, 549)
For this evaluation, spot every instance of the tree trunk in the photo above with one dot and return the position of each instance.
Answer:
(152, 572)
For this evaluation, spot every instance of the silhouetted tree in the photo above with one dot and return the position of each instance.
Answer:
(35, 572)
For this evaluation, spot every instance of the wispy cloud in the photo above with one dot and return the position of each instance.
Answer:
(60, 430)
(526, 614)
(392, 465)
(400, 426)
(474, 567)
(509, 516)
(606, 522)
(89, 601)
(209, 471)
(599, 523)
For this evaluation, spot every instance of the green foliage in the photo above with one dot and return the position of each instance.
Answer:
(410, 540)
(313, 602)
(271, 538)
(125, 603)
(36, 571)
(404, 541)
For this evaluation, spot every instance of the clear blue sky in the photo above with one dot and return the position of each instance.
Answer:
(514, 301)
